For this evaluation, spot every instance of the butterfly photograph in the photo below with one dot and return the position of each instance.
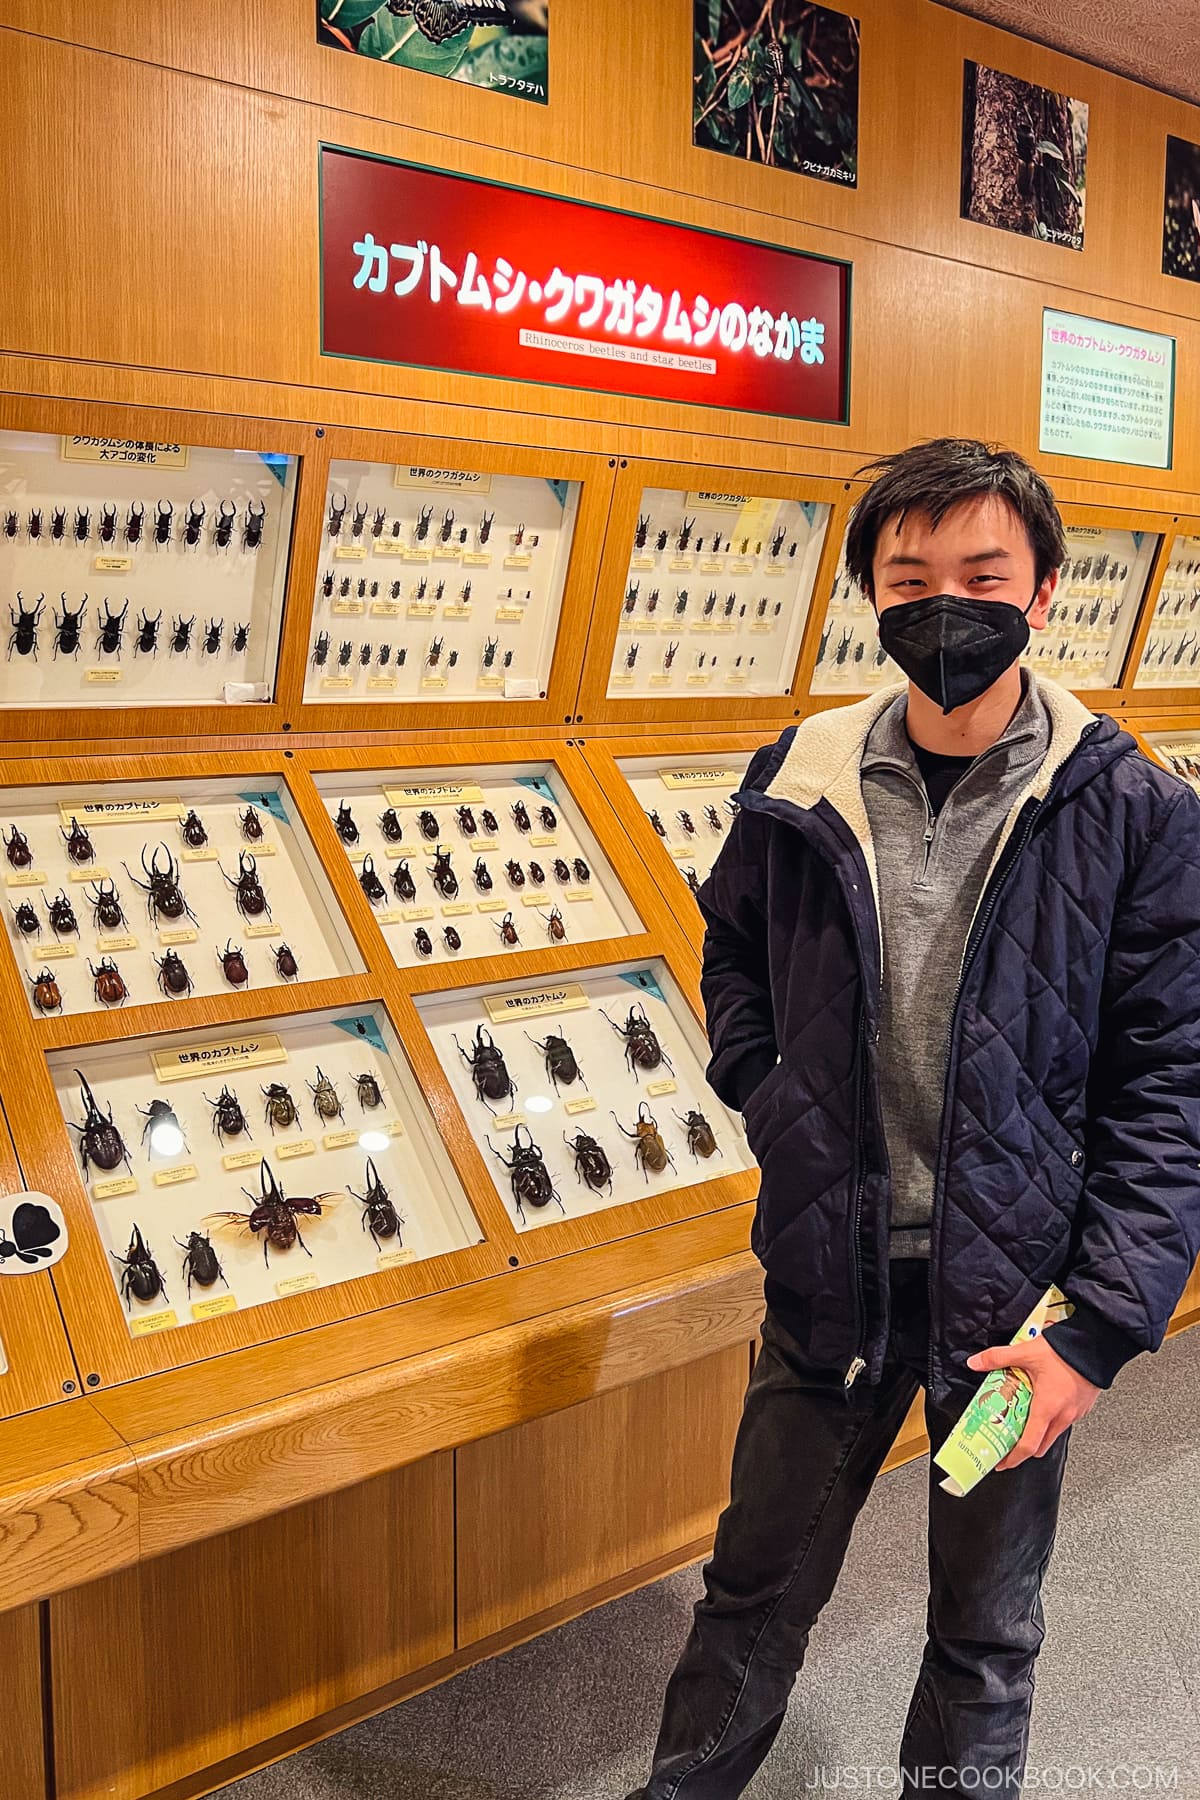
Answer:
(498, 44)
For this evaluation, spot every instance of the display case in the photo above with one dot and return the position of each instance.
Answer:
(1170, 656)
(1177, 750)
(143, 562)
(447, 582)
(704, 601)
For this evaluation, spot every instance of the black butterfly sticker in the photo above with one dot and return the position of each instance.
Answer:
(38, 1235)
(441, 19)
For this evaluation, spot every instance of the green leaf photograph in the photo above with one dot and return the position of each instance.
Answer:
(497, 44)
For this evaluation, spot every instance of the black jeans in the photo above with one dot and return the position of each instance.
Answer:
(804, 1461)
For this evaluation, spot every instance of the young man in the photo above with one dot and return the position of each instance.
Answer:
(952, 981)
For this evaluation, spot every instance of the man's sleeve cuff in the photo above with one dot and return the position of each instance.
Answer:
(1095, 1349)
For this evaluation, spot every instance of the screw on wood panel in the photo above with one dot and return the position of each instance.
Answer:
(68, 1387)
(93, 1381)
(320, 431)
(514, 1262)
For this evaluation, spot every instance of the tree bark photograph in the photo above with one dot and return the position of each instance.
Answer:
(1024, 157)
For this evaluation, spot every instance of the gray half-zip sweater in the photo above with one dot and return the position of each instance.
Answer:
(931, 870)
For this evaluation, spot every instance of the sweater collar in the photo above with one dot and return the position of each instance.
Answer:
(1024, 740)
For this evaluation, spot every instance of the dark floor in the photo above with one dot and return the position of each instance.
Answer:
(573, 1715)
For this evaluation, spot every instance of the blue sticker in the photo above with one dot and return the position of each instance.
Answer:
(278, 465)
(645, 983)
(559, 490)
(1137, 537)
(363, 1026)
(268, 803)
(536, 785)
(809, 509)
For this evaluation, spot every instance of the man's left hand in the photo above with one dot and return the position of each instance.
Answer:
(1060, 1394)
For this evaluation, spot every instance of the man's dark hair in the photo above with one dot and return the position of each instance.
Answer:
(932, 477)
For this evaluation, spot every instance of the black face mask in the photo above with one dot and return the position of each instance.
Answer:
(954, 646)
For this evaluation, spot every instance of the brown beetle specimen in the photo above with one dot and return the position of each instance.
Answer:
(649, 1150)
(46, 995)
(233, 963)
(555, 928)
(507, 930)
(80, 848)
(701, 1138)
(173, 977)
(107, 982)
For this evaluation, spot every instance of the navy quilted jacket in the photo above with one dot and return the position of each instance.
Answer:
(1070, 1147)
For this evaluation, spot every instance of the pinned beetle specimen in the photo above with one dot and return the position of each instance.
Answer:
(451, 938)
(427, 825)
(146, 642)
(193, 522)
(110, 636)
(344, 824)
(108, 983)
(582, 872)
(325, 1098)
(275, 1215)
(100, 1142)
(466, 821)
(687, 823)
(281, 1108)
(559, 1058)
(25, 919)
(508, 930)
(528, 1174)
(402, 881)
(556, 930)
(164, 897)
(140, 1277)
(424, 520)
(62, 914)
(250, 825)
(46, 995)
(16, 848)
(194, 834)
(200, 1262)
(657, 824)
(489, 1071)
(537, 874)
(58, 523)
(483, 879)
(548, 818)
(228, 1118)
(67, 628)
(487, 819)
(173, 977)
(591, 1164)
(423, 941)
(714, 818)
(320, 654)
(79, 846)
(254, 523)
(241, 637)
(515, 873)
(380, 1217)
(562, 869)
(520, 816)
(700, 1136)
(249, 898)
(181, 635)
(444, 879)
(224, 523)
(212, 637)
(164, 513)
(370, 883)
(233, 964)
(692, 878)
(642, 1048)
(649, 1150)
(159, 1112)
(367, 1088)
(286, 966)
(390, 827)
(24, 639)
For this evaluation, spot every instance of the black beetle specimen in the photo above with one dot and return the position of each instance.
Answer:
(181, 635)
(548, 818)
(159, 1112)
(255, 520)
(107, 910)
(489, 1072)
(591, 1164)
(228, 1118)
(140, 1275)
(649, 1150)
(692, 878)
(515, 873)
(67, 628)
(337, 512)
(445, 880)
(194, 834)
(559, 1058)
(164, 512)
(537, 874)
(173, 977)
(164, 897)
(483, 879)
(286, 966)
(556, 929)
(58, 523)
(582, 872)
(223, 524)
(488, 820)
(108, 983)
(485, 526)
(26, 920)
(147, 633)
(106, 531)
(233, 964)
(16, 848)
(99, 1140)
(249, 898)
(12, 524)
(212, 636)
(701, 1139)
(320, 655)
(520, 816)
(359, 520)
(275, 1215)
(423, 941)
(79, 846)
(83, 524)
(451, 938)
(46, 994)
(466, 821)
(344, 824)
(370, 883)
(390, 828)
(325, 1098)
(434, 654)
(421, 528)
(24, 639)
(61, 914)
(447, 526)
(528, 1174)
(380, 1217)
(200, 1261)
(562, 869)
(642, 1048)
(241, 637)
(367, 1088)
(402, 881)
(111, 634)
(281, 1108)
(428, 826)
(687, 823)
(193, 522)
(714, 818)
(657, 824)
(250, 825)
(508, 930)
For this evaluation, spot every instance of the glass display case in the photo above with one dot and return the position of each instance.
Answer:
(460, 863)
(584, 1093)
(850, 658)
(688, 803)
(139, 573)
(131, 892)
(1171, 654)
(438, 584)
(1178, 751)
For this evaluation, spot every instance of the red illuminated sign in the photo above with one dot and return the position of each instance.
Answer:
(443, 272)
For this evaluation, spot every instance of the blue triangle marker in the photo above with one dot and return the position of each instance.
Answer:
(644, 982)
(363, 1027)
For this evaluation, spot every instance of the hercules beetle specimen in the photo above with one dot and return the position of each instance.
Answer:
(100, 1142)
(200, 1262)
(370, 883)
(527, 1173)
(110, 636)
(16, 847)
(61, 914)
(192, 829)
(164, 895)
(140, 1275)
(559, 1058)
(233, 965)
(46, 994)
(402, 882)
(280, 1108)
(591, 1164)
(159, 1112)
(79, 846)
(67, 628)
(173, 977)
(649, 1152)
(701, 1139)
(489, 1072)
(147, 633)
(25, 918)
(380, 1217)
(642, 1048)
(249, 898)
(228, 1118)
(108, 983)
(24, 638)
(367, 1088)
(274, 1214)
(325, 1098)
(344, 824)
(107, 910)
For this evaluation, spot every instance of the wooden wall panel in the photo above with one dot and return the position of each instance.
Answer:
(22, 1758)
(564, 1503)
(245, 1636)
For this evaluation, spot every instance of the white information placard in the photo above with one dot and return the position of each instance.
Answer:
(1108, 391)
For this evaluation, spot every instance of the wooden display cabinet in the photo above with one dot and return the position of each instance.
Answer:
(1178, 571)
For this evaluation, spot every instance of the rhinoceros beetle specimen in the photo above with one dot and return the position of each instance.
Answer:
(105, 901)
(68, 627)
(701, 1139)
(108, 983)
(24, 638)
(344, 824)
(582, 872)
(47, 996)
(325, 1097)
(423, 941)
(159, 1112)
(466, 821)
(200, 1262)
(275, 1215)
(528, 1174)
(286, 966)
(370, 883)
(62, 914)
(537, 874)
(508, 930)
(233, 965)
(140, 1277)
(173, 977)
(548, 818)
(164, 896)
(642, 1048)
(250, 825)
(483, 879)
(520, 816)
(194, 834)
(444, 879)
(249, 898)
(489, 1072)
(427, 825)
(559, 1058)
(562, 869)
(380, 1217)
(390, 828)
(515, 873)
(25, 919)
(367, 1088)
(487, 819)
(100, 1142)
(281, 1108)
(111, 633)
(402, 881)
(591, 1164)
(228, 1118)
(450, 938)
(649, 1150)
(78, 844)
(16, 848)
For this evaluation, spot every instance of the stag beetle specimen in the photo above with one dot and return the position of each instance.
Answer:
(483, 879)
(194, 834)
(233, 964)
(223, 524)
(281, 1108)
(25, 918)
(444, 879)
(12, 524)
(108, 984)
(164, 897)
(62, 914)
(380, 1217)
(228, 1118)
(427, 825)
(402, 881)
(181, 636)
(559, 1058)
(164, 513)
(140, 1275)
(359, 520)
(520, 816)
(193, 523)
(649, 1150)
(173, 977)
(657, 824)
(147, 633)
(701, 1139)
(325, 1098)
(249, 898)
(714, 818)
(591, 1164)
(241, 637)
(642, 1048)
(286, 965)
(320, 655)
(275, 1215)
(17, 849)
(24, 638)
(344, 824)
(367, 1088)
(99, 1140)
(159, 1112)
(46, 994)
(111, 634)
(67, 628)
(79, 846)
(527, 1173)
(252, 528)
(83, 524)
(489, 1072)
(390, 828)
(370, 883)
(212, 637)
(200, 1261)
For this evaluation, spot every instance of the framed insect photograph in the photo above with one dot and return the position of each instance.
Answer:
(1024, 157)
(497, 44)
(1181, 210)
(778, 85)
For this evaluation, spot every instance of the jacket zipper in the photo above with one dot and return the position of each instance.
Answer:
(858, 1364)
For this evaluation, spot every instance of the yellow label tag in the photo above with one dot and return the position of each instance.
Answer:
(420, 609)
(641, 562)
(712, 565)
(481, 844)
(586, 1103)
(186, 934)
(385, 609)
(296, 1284)
(392, 1259)
(54, 952)
(699, 680)
(535, 899)
(477, 559)
(491, 906)
(263, 929)
(447, 553)
(699, 778)
(761, 625)
(116, 1184)
(678, 564)
(350, 553)
(575, 894)
(241, 1159)
(172, 1177)
(338, 683)
(377, 683)
(615, 681)
(568, 996)
(433, 681)
(390, 917)
(735, 675)
(102, 677)
(212, 1309)
(644, 625)
(414, 914)
(149, 1323)
(417, 553)
(119, 812)
(490, 681)
(394, 1128)
(706, 502)
(112, 565)
(126, 942)
(348, 608)
(660, 681)
(508, 614)
(521, 559)
(338, 1140)
(508, 1121)
(461, 481)
(540, 843)
(457, 611)
(26, 878)
(299, 1147)
(124, 450)
(454, 909)
(447, 793)
(247, 1050)
(682, 850)
(206, 854)
(666, 1086)
(389, 547)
